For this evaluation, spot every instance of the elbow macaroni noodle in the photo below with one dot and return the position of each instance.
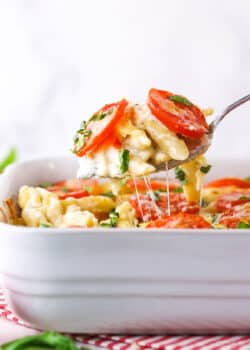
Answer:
(148, 141)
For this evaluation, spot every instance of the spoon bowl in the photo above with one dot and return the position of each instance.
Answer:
(206, 140)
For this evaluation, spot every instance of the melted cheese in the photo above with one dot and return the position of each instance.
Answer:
(41, 207)
(148, 141)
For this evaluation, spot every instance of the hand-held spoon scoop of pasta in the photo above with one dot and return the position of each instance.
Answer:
(206, 140)
(124, 138)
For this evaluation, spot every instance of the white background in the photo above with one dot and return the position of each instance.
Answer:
(61, 60)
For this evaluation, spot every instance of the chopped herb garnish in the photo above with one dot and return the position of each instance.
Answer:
(205, 169)
(87, 189)
(87, 133)
(109, 194)
(242, 198)
(9, 159)
(178, 190)
(83, 125)
(46, 184)
(204, 203)
(247, 178)
(79, 138)
(44, 225)
(124, 160)
(180, 175)
(215, 218)
(101, 115)
(155, 195)
(114, 215)
(180, 99)
(124, 181)
(79, 141)
(65, 189)
(92, 118)
(112, 221)
(105, 224)
(242, 224)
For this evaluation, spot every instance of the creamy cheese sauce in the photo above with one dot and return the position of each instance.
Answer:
(148, 141)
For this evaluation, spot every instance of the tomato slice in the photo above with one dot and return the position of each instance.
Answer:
(183, 118)
(75, 188)
(230, 200)
(232, 217)
(230, 221)
(180, 220)
(100, 126)
(156, 185)
(229, 181)
(146, 208)
(112, 140)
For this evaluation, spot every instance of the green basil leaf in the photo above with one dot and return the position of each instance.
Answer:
(9, 159)
(180, 99)
(87, 133)
(47, 340)
(204, 203)
(124, 181)
(244, 198)
(101, 116)
(205, 169)
(65, 189)
(109, 194)
(105, 224)
(83, 125)
(156, 195)
(180, 175)
(215, 218)
(46, 184)
(45, 225)
(178, 190)
(79, 141)
(112, 221)
(124, 160)
(87, 189)
(243, 225)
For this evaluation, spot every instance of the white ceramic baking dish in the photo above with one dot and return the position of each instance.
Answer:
(124, 281)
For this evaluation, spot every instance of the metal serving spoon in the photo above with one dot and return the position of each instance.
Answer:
(206, 140)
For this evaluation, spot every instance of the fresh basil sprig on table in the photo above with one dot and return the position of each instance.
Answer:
(44, 341)
(8, 159)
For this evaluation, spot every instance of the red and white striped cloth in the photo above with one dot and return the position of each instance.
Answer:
(147, 342)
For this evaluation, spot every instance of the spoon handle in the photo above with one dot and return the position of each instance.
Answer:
(230, 108)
